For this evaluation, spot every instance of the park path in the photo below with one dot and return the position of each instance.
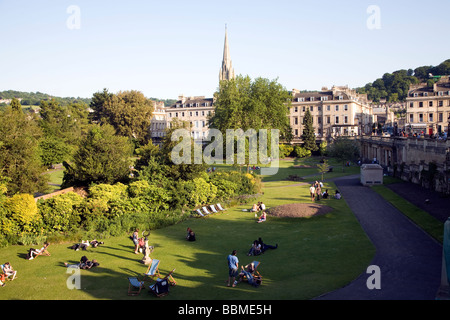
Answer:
(410, 260)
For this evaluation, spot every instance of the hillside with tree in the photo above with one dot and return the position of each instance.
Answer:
(394, 86)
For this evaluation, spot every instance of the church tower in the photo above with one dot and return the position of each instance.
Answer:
(227, 71)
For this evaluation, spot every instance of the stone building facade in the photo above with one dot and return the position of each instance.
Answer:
(428, 107)
(338, 111)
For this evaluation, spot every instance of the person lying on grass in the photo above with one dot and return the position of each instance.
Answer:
(83, 264)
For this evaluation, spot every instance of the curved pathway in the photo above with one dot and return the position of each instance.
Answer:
(410, 260)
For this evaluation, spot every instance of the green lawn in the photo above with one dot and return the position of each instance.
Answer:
(315, 255)
(428, 223)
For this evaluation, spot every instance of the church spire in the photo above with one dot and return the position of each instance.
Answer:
(226, 72)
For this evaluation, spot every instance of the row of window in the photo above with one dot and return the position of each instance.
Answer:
(420, 104)
(425, 94)
(323, 98)
(327, 120)
(192, 105)
(319, 108)
(420, 117)
(191, 113)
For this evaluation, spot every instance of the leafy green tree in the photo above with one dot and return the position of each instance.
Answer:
(343, 149)
(63, 126)
(19, 152)
(183, 171)
(53, 150)
(130, 113)
(102, 157)
(244, 104)
(98, 102)
(308, 136)
(323, 167)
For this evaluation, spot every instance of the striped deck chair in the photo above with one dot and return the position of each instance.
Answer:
(199, 212)
(220, 207)
(213, 209)
(134, 286)
(206, 210)
(152, 271)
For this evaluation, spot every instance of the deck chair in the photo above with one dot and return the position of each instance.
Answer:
(206, 210)
(220, 207)
(254, 278)
(7, 276)
(152, 271)
(161, 287)
(199, 212)
(134, 286)
(213, 209)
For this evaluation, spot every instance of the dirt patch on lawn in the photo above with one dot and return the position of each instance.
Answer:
(299, 210)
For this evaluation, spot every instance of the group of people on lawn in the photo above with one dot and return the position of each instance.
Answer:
(315, 191)
(257, 207)
(258, 247)
(8, 273)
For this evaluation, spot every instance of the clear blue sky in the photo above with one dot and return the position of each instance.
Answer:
(167, 48)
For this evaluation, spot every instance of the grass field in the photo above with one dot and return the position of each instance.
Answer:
(314, 256)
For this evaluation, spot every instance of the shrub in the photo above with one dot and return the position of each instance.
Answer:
(301, 152)
(108, 192)
(61, 213)
(285, 150)
(199, 192)
(22, 208)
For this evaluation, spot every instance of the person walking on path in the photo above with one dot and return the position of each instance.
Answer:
(233, 265)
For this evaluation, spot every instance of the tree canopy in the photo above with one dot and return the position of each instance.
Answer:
(395, 86)
(102, 157)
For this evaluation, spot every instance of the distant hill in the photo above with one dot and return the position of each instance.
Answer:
(395, 86)
(34, 98)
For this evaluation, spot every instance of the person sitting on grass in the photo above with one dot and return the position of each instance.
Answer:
(262, 218)
(337, 195)
(190, 235)
(325, 194)
(8, 271)
(255, 249)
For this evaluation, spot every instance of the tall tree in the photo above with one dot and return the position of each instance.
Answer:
(308, 136)
(98, 102)
(130, 113)
(19, 152)
(241, 103)
(344, 149)
(102, 157)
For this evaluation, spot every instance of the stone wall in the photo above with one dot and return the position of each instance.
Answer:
(422, 161)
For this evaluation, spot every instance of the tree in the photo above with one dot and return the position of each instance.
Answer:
(98, 102)
(308, 136)
(62, 127)
(130, 113)
(19, 152)
(244, 104)
(323, 167)
(343, 149)
(177, 171)
(102, 157)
